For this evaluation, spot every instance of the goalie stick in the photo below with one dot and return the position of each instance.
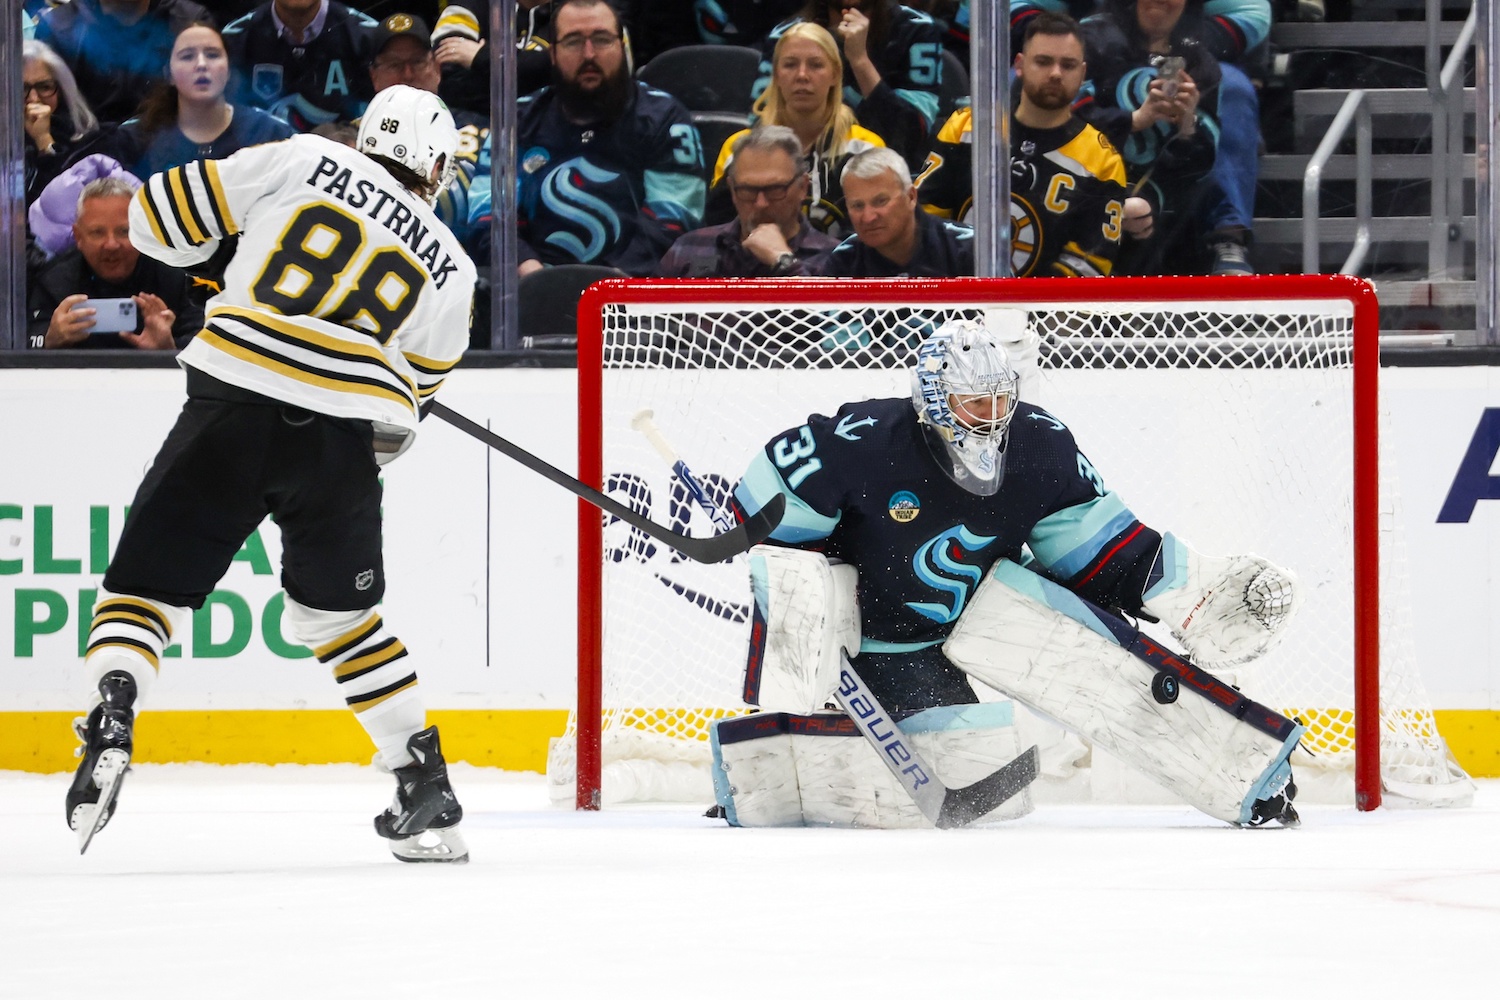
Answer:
(716, 548)
(945, 807)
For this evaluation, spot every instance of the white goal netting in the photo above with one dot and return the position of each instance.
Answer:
(1230, 423)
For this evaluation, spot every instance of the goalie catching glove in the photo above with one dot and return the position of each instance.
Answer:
(1225, 610)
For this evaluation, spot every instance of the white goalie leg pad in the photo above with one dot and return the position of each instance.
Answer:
(1073, 662)
(805, 614)
(1225, 610)
(780, 769)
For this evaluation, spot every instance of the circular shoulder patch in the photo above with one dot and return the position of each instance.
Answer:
(905, 506)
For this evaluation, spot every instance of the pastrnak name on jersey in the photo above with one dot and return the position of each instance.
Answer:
(400, 220)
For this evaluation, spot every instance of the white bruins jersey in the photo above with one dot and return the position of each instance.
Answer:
(345, 294)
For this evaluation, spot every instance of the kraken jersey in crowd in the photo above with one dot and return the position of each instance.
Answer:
(345, 295)
(613, 193)
(862, 486)
(1067, 193)
(903, 108)
(327, 79)
(740, 22)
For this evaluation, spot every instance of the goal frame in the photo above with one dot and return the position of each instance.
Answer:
(1365, 491)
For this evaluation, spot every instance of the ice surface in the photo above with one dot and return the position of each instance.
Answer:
(268, 882)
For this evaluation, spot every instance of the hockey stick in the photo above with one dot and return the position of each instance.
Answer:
(716, 548)
(645, 423)
(945, 807)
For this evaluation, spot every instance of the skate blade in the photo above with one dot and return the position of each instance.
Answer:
(444, 846)
(89, 818)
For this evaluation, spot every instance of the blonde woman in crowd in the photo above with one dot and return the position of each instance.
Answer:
(805, 94)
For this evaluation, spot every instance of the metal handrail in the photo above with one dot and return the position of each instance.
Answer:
(1447, 145)
(1354, 109)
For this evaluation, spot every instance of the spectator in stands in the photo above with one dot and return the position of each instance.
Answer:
(610, 170)
(105, 265)
(302, 60)
(1235, 33)
(463, 52)
(769, 237)
(188, 117)
(806, 95)
(952, 17)
(56, 117)
(740, 22)
(402, 52)
(1164, 128)
(116, 48)
(892, 237)
(50, 218)
(893, 67)
(1068, 211)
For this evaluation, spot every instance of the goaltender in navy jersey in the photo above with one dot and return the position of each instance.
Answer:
(863, 487)
(1067, 193)
(345, 294)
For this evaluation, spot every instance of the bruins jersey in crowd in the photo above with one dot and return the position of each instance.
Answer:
(1067, 193)
(345, 295)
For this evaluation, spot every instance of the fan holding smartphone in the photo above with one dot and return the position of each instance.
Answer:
(104, 293)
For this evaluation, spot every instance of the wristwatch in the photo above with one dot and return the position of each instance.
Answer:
(785, 263)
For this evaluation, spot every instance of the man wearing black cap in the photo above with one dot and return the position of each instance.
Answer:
(401, 52)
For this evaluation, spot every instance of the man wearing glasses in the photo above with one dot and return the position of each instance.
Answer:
(770, 237)
(610, 171)
(401, 52)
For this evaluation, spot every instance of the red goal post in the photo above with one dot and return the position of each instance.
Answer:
(646, 343)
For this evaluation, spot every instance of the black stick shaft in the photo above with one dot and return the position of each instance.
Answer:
(714, 549)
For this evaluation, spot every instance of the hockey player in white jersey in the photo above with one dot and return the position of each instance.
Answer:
(345, 304)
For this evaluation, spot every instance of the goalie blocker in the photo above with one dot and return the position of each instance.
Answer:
(1068, 659)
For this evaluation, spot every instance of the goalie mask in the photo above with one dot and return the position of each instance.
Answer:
(415, 129)
(964, 391)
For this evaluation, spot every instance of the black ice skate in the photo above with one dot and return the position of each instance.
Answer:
(422, 822)
(106, 750)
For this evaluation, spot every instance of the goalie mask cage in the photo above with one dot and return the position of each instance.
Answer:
(1242, 414)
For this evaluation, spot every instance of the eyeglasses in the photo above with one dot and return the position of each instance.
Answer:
(773, 192)
(602, 41)
(416, 64)
(43, 88)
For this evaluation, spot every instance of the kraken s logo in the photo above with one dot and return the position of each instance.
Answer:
(563, 195)
(937, 565)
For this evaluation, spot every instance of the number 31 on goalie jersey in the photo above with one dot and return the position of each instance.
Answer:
(793, 454)
(319, 247)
